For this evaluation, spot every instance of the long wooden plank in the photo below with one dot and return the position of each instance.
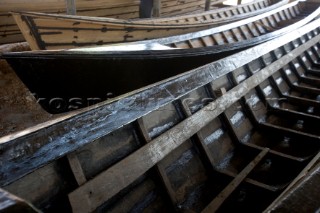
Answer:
(226, 192)
(92, 194)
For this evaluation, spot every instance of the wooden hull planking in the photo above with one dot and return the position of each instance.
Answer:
(228, 136)
(9, 31)
(96, 75)
(44, 31)
(208, 16)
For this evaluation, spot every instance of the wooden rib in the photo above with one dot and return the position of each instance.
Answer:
(159, 166)
(71, 7)
(76, 168)
(205, 149)
(92, 194)
(222, 196)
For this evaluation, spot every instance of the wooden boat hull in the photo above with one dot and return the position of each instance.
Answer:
(230, 135)
(92, 76)
(231, 13)
(44, 31)
(9, 31)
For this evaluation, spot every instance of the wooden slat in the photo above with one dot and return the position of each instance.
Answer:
(76, 169)
(26, 32)
(222, 196)
(92, 194)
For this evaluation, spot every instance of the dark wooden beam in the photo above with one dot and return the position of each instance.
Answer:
(71, 7)
(207, 5)
(145, 8)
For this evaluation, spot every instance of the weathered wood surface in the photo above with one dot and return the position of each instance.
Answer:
(223, 123)
(124, 9)
(10, 203)
(61, 31)
(228, 12)
(244, 32)
(92, 194)
(10, 33)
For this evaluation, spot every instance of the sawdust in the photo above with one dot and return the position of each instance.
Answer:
(18, 108)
